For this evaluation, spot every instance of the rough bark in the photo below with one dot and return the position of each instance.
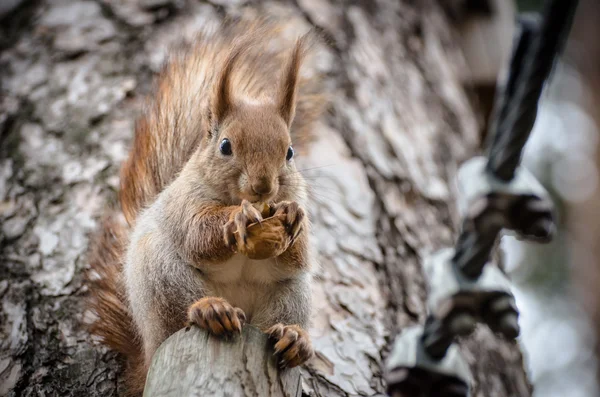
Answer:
(192, 363)
(73, 77)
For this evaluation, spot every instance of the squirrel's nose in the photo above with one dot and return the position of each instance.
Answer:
(262, 186)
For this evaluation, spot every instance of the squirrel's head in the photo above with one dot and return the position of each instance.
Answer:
(249, 151)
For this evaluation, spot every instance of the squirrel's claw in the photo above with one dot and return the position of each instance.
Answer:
(229, 234)
(293, 219)
(241, 222)
(238, 223)
(216, 316)
(252, 214)
(292, 344)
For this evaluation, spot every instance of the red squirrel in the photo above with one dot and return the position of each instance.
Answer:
(215, 139)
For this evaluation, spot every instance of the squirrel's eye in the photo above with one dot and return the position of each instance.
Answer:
(290, 153)
(226, 147)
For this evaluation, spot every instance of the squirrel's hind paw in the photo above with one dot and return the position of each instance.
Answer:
(292, 344)
(216, 316)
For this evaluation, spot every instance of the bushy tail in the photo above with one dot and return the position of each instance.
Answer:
(107, 303)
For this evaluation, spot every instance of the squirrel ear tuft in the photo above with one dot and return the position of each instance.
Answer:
(289, 81)
(222, 97)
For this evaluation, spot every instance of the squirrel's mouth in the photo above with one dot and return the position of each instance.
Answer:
(256, 198)
(250, 198)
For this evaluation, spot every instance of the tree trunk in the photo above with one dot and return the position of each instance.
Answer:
(74, 75)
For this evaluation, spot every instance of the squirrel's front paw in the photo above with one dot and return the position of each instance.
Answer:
(216, 316)
(292, 216)
(250, 235)
(236, 229)
(292, 344)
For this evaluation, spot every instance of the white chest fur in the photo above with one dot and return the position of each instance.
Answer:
(239, 268)
(244, 282)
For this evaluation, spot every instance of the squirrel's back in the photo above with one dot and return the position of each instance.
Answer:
(170, 129)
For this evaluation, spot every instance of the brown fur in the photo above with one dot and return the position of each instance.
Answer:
(142, 279)
(113, 323)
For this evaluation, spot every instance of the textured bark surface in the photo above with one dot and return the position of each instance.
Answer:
(192, 363)
(73, 77)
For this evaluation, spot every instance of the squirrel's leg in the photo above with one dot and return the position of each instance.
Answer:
(285, 317)
(160, 287)
(286, 314)
(171, 241)
(204, 242)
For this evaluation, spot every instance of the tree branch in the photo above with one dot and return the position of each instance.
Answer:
(193, 363)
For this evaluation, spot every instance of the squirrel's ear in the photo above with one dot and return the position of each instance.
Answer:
(289, 81)
(222, 97)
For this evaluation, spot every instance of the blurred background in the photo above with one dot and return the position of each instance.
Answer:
(557, 286)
